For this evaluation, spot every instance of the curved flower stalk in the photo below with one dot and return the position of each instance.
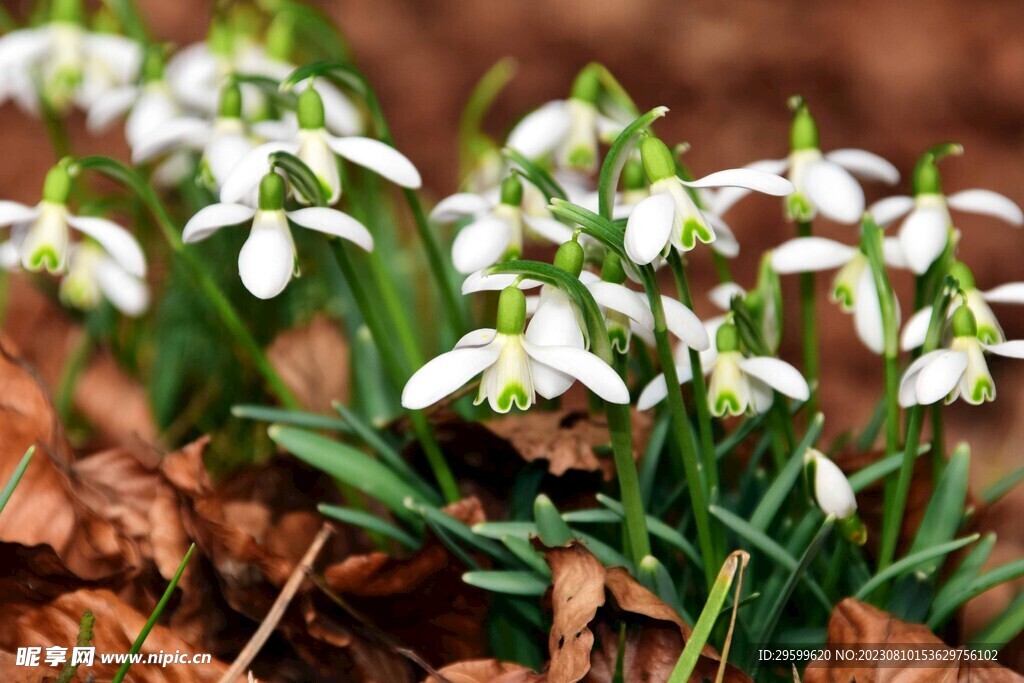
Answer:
(853, 287)
(568, 128)
(224, 142)
(927, 227)
(509, 362)
(824, 182)
(669, 218)
(42, 238)
(833, 494)
(68, 64)
(317, 149)
(959, 371)
(738, 384)
(989, 329)
(496, 232)
(267, 260)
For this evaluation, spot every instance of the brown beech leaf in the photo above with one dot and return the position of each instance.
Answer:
(480, 671)
(313, 362)
(115, 629)
(37, 574)
(856, 623)
(577, 579)
(567, 439)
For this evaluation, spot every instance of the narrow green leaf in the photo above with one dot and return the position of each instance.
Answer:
(779, 490)
(993, 493)
(460, 532)
(487, 89)
(294, 418)
(865, 477)
(943, 610)
(592, 516)
(658, 529)
(300, 175)
(652, 455)
(370, 522)
(12, 482)
(527, 554)
(945, 510)
(498, 530)
(553, 530)
(507, 582)
(967, 571)
(1004, 627)
(617, 156)
(536, 175)
(910, 562)
(655, 578)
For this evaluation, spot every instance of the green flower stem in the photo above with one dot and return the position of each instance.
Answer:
(399, 370)
(683, 441)
(700, 389)
(225, 311)
(896, 494)
(722, 268)
(809, 327)
(65, 394)
(872, 246)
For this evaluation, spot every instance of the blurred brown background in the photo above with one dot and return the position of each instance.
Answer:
(890, 77)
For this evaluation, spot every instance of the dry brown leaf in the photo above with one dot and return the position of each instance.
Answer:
(856, 623)
(479, 671)
(567, 439)
(37, 574)
(313, 362)
(115, 629)
(577, 579)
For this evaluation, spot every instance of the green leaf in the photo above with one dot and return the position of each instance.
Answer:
(478, 103)
(865, 477)
(779, 490)
(536, 175)
(553, 530)
(658, 529)
(300, 175)
(350, 466)
(508, 582)
(617, 156)
(910, 562)
(295, 418)
(592, 516)
(592, 224)
(460, 532)
(370, 522)
(775, 552)
(12, 482)
(655, 578)
(498, 530)
(967, 571)
(527, 554)
(1004, 627)
(944, 609)
(945, 510)
(652, 455)
(996, 491)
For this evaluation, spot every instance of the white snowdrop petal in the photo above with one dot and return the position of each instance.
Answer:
(333, 222)
(810, 254)
(834, 191)
(865, 164)
(593, 372)
(127, 293)
(649, 226)
(110, 106)
(118, 242)
(382, 159)
(988, 203)
(266, 261)
(1010, 293)
(184, 132)
(725, 242)
(654, 393)
(540, 131)
(751, 179)
(480, 244)
(724, 199)
(14, 212)
(555, 322)
(122, 56)
(916, 329)
(446, 373)
(867, 315)
(479, 282)
(247, 173)
(923, 237)
(892, 253)
(1010, 349)
(212, 218)
(684, 324)
(554, 231)
(459, 205)
(832, 489)
(722, 295)
(885, 211)
(778, 374)
(936, 379)
(624, 300)
(908, 383)
(340, 115)
(481, 337)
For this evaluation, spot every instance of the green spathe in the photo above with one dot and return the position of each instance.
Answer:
(67, 11)
(926, 178)
(511, 311)
(230, 102)
(57, 186)
(272, 192)
(587, 85)
(964, 322)
(803, 132)
(963, 275)
(512, 191)
(612, 270)
(310, 110)
(657, 159)
(727, 338)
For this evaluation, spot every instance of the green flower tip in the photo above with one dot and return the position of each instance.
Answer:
(280, 39)
(569, 258)
(657, 159)
(728, 338)
(587, 85)
(963, 275)
(854, 530)
(220, 39)
(272, 192)
(230, 101)
(926, 178)
(57, 186)
(511, 311)
(803, 133)
(67, 11)
(153, 64)
(964, 322)
(310, 110)
(512, 190)
(649, 564)
(611, 269)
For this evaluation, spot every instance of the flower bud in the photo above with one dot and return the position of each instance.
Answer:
(727, 338)
(832, 491)
(611, 269)
(511, 311)
(587, 86)
(272, 192)
(964, 322)
(512, 191)
(230, 102)
(803, 132)
(569, 258)
(57, 186)
(657, 159)
(310, 109)
(963, 275)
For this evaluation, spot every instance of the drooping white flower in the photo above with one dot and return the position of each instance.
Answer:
(510, 363)
(669, 218)
(43, 234)
(833, 494)
(738, 384)
(959, 371)
(853, 287)
(70, 64)
(148, 106)
(824, 182)
(989, 329)
(764, 302)
(926, 229)
(93, 275)
(317, 149)
(267, 260)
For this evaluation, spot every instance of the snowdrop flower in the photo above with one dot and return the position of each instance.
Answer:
(43, 231)
(71, 65)
(824, 183)
(669, 218)
(569, 128)
(94, 275)
(764, 302)
(989, 329)
(833, 494)
(509, 363)
(224, 142)
(926, 229)
(267, 260)
(317, 149)
(738, 384)
(496, 233)
(853, 287)
(959, 371)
